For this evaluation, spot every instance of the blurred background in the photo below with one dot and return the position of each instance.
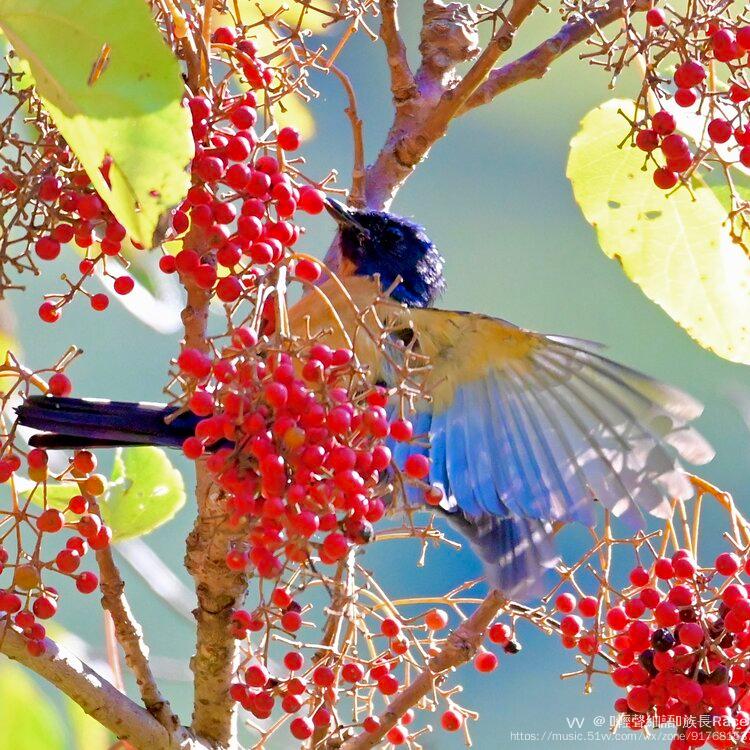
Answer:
(494, 197)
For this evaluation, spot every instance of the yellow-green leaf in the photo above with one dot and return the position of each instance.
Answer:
(130, 110)
(29, 719)
(145, 492)
(676, 248)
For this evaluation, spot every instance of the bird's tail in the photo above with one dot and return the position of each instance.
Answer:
(68, 423)
(515, 552)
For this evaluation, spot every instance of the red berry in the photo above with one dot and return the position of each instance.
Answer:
(124, 284)
(663, 122)
(291, 621)
(87, 583)
(727, 564)
(499, 633)
(301, 727)
(720, 131)
(655, 17)
(485, 661)
(397, 735)
(307, 270)
(47, 248)
(646, 140)
(99, 302)
(436, 619)
(44, 607)
(288, 139)
(417, 466)
(60, 385)
(685, 97)
(451, 720)
(50, 521)
(311, 201)
(193, 448)
(565, 603)
(664, 178)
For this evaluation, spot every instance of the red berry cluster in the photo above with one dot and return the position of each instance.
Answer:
(298, 451)
(27, 597)
(307, 688)
(679, 637)
(723, 45)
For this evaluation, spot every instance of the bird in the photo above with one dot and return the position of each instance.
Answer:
(527, 432)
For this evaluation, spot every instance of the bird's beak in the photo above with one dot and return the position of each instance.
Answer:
(343, 215)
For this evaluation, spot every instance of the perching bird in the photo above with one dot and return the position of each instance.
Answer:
(526, 431)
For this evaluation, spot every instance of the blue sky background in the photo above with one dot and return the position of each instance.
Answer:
(495, 199)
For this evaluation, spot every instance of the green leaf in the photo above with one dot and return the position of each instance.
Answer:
(676, 248)
(29, 719)
(131, 112)
(58, 495)
(145, 492)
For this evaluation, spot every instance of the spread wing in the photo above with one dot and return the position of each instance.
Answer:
(535, 428)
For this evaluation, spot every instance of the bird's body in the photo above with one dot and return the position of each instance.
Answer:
(526, 431)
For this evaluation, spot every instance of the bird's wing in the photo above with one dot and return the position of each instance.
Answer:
(527, 426)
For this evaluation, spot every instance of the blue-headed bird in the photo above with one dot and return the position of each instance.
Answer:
(526, 432)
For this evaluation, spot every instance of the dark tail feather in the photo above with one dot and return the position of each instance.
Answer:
(68, 423)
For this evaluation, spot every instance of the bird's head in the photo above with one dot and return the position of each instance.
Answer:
(375, 242)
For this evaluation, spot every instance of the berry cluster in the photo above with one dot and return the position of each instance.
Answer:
(709, 78)
(28, 597)
(679, 640)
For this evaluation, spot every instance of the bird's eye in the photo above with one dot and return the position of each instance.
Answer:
(393, 234)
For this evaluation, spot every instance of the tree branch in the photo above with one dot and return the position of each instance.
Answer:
(449, 37)
(357, 191)
(402, 79)
(536, 62)
(97, 697)
(130, 637)
(219, 590)
(460, 647)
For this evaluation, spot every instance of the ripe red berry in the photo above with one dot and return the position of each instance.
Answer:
(236, 559)
(307, 270)
(665, 178)
(663, 122)
(301, 727)
(485, 661)
(397, 735)
(87, 582)
(436, 619)
(451, 720)
(44, 607)
(499, 633)
(417, 466)
(50, 521)
(720, 131)
(47, 248)
(291, 621)
(124, 284)
(311, 201)
(99, 302)
(647, 139)
(727, 564)
(655, 17)
(288, 139)
(60, 385)
(565, 603)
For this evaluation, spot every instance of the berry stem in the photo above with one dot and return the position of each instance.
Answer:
(459, 648)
